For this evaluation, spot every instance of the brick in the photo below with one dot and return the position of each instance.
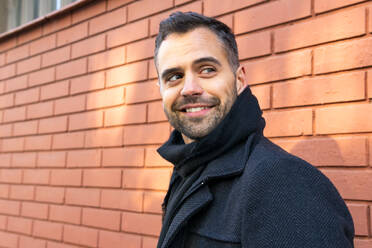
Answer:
(8, 43)
(57, 23)
(2, 59)
(88, 83)
(112, 4)
(270, 14)
(142, 92)
(319, 90)
(48, 230)
(343, 119)
(7, 100)
(50, 194)
(254, 45)
(355, 185)
(54, 90)
(369, 83)
(30, 35)
(263, 95)
(8, 240)
(122, 199)
(83, 197)
(44, 44)
(43, 109)
(133, 31)
(153, 158)
(68, 140)
(28, 65)
(93, 9)
(128, 114)
(105, 219)
(128, 156)
(108, 21)
(80, 235)
(5, 160)
(321, 6)
(141, 50)
(92, 119)
(29, 242)
(27, 96)
(72, 34)
(42, 76)
(107, 59)
(370, 152)
(12, 144)
(342, 56)
(155, 20)
(153, 201)
(65, 214)
(116, 240)
(66, 177)
(7, 71)
(60, 245)
(19, 225)
(344, 151)
(84, 158)
(26, 159)
(340, 25)
(22, 192)
(72, 68)
(141, 223)
(362, 243)
(279, 67)
(54, 124)
(155, 112)
(102, 178)
(70, 104)
(213, 9)
(4, 193)
(36, 176)
(56, 56)
(9, 207)
(10, 176)
(51, 159)
(146, 179)
(18, 53)
(34, 210)
(359, 213)
(146, 7)
(146, 134)
(149, 242)
(16, 83)
(104, 137)
(298, 122)
(153, 74)
(105, 98)
(88, 46)
(126, 74)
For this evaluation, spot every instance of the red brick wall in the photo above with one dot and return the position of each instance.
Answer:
(81, 116)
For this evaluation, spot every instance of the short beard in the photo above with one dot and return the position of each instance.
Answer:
(191, 128)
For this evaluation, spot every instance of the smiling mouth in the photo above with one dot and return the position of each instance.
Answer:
(197, 109)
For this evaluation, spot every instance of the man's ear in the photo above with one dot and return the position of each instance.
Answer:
(241, 81)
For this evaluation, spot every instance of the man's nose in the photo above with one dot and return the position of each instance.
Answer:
(191, 87)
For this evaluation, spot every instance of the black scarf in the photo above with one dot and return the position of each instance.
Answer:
(244, 118)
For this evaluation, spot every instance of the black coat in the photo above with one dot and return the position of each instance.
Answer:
(248, 193)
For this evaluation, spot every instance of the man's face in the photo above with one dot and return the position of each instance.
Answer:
(197, 84)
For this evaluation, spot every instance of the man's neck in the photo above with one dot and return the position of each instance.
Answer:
(186, 139)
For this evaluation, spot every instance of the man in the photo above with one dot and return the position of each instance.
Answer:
(232, 187)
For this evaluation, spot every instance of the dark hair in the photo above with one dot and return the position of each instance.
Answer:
(183, 22)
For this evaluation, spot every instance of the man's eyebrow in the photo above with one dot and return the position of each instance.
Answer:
(169, 71)
(207, 59)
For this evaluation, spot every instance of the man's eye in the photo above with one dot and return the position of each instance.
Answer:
(207, 70)
(174, 77)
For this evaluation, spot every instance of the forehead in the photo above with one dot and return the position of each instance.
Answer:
(178, 50)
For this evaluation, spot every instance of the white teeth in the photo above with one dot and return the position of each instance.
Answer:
(191, 110)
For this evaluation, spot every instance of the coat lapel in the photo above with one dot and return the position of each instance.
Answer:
(192, 205)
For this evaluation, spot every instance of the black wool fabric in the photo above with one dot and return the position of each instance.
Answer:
(235, 188)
